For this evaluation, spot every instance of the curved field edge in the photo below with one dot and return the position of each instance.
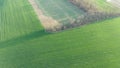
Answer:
(91, 46)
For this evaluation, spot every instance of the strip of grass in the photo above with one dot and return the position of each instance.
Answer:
(17, 18)
(60, 10)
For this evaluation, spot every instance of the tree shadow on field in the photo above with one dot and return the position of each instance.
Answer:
(21, 39)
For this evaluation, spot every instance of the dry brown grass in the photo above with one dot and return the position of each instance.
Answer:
(48, 23)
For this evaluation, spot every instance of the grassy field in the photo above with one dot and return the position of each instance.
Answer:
(61, 10)
(92, 46)
(17, 18)
(24, 44)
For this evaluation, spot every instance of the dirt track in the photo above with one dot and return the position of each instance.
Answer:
(48, 22)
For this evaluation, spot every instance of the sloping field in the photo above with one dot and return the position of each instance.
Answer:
(66, 14)
(17, 18)
(61, 10)
(91, 46)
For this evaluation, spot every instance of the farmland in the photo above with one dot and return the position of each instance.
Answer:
(72, 13)
(90, 48)
(25, 44)
(61, 10)
(17, 18)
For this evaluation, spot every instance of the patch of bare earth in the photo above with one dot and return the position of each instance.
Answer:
(48, 23)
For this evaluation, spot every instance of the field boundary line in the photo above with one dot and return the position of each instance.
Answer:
(48, 22)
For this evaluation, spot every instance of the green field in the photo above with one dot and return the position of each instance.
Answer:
(61, 10)
(17, 18)
(24, 44)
